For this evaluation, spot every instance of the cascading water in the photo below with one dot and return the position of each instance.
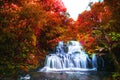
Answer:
(70, 57)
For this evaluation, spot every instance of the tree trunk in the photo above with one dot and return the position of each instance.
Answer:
(115, 62)
(109, 45)
(111, 54)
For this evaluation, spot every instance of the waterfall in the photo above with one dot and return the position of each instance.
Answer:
(94, 61)
(74, 58)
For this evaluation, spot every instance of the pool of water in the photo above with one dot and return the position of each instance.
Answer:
(71, 75)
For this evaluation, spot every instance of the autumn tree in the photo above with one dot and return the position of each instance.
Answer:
(108, 34)
(114, 34)
(54, 26)
(28, 29)
(84, 26)
(18, 36)
(97, 24)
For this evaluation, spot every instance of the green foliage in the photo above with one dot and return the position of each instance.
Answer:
(116, 76)
(114, 35)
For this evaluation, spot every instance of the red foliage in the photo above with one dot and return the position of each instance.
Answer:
(53, 5)
(88, 20)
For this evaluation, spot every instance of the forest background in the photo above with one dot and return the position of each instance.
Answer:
(30, 29)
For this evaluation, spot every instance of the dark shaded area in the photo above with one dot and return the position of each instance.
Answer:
(93, 75)
(108, 62)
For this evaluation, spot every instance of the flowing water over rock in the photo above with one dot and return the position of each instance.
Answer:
(70, 57)
(71, 62)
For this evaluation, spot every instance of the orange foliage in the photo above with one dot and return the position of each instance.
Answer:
(53, 5)
(32, 59)
(88, 20)
(88, 41)
(103, 13)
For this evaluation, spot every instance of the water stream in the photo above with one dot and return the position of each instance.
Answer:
(70, 57)
(71, 62)
(82, 75)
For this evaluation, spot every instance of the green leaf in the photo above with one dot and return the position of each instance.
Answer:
(23, 55)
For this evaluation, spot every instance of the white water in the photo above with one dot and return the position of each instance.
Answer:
(70, 57)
